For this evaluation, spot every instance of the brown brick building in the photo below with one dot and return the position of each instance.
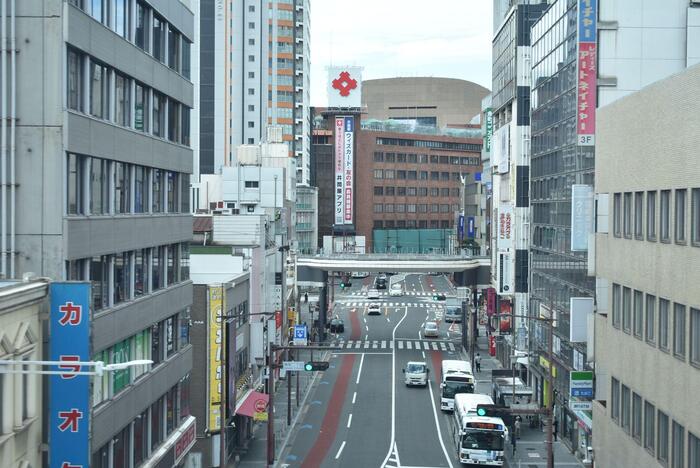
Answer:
(411, 180)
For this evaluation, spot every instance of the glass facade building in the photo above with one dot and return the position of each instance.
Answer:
(557, 272)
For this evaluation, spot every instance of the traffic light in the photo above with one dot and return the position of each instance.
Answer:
(493, 411)
(316, 366)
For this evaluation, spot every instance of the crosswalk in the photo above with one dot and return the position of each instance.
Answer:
(386, 293)
(417, 345)
(389, 304)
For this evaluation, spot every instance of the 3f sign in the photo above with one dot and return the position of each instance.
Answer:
(586, 140)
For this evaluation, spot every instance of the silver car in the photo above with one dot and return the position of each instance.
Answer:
(431, 330)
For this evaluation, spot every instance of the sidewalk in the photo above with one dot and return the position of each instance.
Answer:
(256, 455)
(531, 447)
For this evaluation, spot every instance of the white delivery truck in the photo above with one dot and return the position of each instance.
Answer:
(456, 377)
(478, 439)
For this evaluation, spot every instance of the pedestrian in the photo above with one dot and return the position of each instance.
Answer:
(306, 297)
(478, 362)
(555, 427)
(518, 422)
(513, 442)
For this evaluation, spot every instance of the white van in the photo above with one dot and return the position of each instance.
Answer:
(416, 373)
(396, 290)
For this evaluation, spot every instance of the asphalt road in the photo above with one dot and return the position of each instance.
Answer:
(361, 414)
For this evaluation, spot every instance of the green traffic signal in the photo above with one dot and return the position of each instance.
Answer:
(316, 365)
(308, 366)
(342, 285)
(481, 412)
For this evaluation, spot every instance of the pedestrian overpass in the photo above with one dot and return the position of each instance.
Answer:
(387, 262)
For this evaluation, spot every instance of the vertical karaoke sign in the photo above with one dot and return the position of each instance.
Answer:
(587, 72)
(69, 394)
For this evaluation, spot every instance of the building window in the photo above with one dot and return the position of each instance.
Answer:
(141, 438)
(627, 218)
(649, 427)
(651, 216)
(650, 318)
(378, 191)
(681, 197)
(388, 173)
(378, 208)
(444, 192)
(159, 31)
(662, 441)
(171, 265)
(157, 428)
(159, 103)
(99, 277)
(422, 191)
(140, 189)
(434, 175)
(251, 91)
(186, 58)
(664, 306)
(411, 208)
(171, 192)
(123, 100)
(251, 184)
(157, 183)
(626, 309)
(389, 208)
(637, 417)
(378, 174)
(140, 272)
(122, 188)
(679, 330)
(75, 80)
(638, 214)
(665, 213)
(434, 208)
(616, 305)
(122, 16)
(157, 263)
(389, 191)
(99, 91)
(400, 208)
(625, 408)
(693, 451)
(75, 184)
(434, 192)
(378, 156)
(173, 121)
(142, 28)
(141, 108)
(185, 264)
(390, 157)
(99, 186)
(617, 202)
(423, 175)
(173, 48)
(401, 191)
(98, 12)
(122, 277)
(411, 191)
(638, 322)
(678, 441)
(695, 336)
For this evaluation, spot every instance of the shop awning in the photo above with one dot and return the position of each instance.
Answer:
(523, 360)
(252, 403)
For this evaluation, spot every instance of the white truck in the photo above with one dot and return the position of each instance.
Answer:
(456, 377)
(479, 440)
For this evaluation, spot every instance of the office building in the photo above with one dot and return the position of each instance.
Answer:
(646, 256)
(426, 101)
(21, 396)
(99, 140)
(306, 226)
(253, 62)
(510, 174)
(635, 45)
(323, 172)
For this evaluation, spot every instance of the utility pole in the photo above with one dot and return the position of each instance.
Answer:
(550, 379)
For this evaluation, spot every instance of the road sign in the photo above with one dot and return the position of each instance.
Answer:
(260, 405)
(581, 405)
(300, 338)
(289, 366)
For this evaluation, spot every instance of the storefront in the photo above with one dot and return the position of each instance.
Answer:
(173, 452)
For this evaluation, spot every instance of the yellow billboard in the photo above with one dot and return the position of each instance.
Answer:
(215, 365)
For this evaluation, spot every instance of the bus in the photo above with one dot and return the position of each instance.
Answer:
(456, 377)
(478, 439)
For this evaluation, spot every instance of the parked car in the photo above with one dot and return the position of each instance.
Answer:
(337, 325)
(372, 294)
(374, 309)
(431, 330)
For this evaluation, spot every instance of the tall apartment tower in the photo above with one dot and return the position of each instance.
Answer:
(95, 127)
(253, 62)
(585, 54)
(510, 175)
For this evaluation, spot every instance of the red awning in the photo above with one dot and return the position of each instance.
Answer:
(255, 402)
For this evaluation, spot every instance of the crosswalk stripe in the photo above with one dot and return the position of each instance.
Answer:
(426, 345)
(400, 344)
(391, 345)
(357, 344)
(350, 343)
(383, 344)
(409, 345)
(451, 346)
(374, 345)
(366, 345)
(443, 347)
(434, 344)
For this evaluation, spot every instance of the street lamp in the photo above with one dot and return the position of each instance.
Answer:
(99, 367)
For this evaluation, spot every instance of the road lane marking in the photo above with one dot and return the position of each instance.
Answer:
(358, 343)
(342, 446)
(354, 395)
(392, 443)
(375, 345)
(426, 345)
(400, 344)
(349, 420)
(423, 353)
(383, 344)
(451, 346)
(367, 327)
(366, 344)
(435, 347)
(409, 345)
(442, 346)
(359, 370)
(391, 345)
(437, 423)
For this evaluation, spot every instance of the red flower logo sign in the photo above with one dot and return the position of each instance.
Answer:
(344, 84)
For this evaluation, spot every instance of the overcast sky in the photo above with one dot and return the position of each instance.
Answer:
(441, 38)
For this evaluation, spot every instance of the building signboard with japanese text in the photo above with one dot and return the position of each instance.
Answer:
(339, 205)
(488, 131)
(581, 216)
(505, 227)
(348, 164)
(69, 394)
(587, 72)
(216, 305)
